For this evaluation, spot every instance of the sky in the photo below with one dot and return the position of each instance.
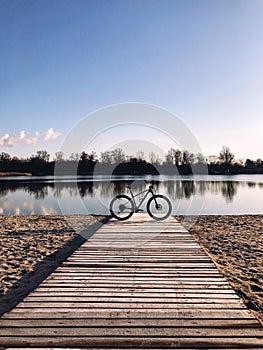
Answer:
(201, 60)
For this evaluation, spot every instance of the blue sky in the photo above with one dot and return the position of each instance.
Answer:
(200, 59)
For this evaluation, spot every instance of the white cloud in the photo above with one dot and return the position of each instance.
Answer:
(22, 135)
(32, 140)
(25, 138)
(6, 141)
(51, 134)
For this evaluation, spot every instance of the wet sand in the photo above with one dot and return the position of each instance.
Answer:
(235, 244)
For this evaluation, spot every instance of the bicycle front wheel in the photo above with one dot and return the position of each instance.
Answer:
(159, 207)
(121, 207)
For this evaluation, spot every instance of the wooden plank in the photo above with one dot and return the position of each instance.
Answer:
(118, 348)
(123, 280)
(139, 284)
(134, 292)
(113, 342)
(129, 322)
(136, 265)
(83, 299)
(53, 306)
(153, 314)
(137, 273)
(86, 289)
(141, 270)
(247, 332)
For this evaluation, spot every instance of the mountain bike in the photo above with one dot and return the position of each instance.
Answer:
(158, 206)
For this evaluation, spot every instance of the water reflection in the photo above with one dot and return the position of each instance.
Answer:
(39, 197)
(229, 190)
(25, 207)
(175, 189)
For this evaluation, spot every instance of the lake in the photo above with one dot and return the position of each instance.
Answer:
(227, 194)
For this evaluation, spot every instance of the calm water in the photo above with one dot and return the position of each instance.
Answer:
(242, 194)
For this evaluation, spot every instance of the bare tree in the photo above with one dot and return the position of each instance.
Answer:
(259, 162)
(5, 156)
(200, 158)
(187, 158)
(92, 156)
(83, 157)
(59, 156)
(105, 157)
(74, 156)
(174, 156)
(117, 155)
(154, 158)
(140, 155)
(42, 156)
(226, 156)
(169, 156)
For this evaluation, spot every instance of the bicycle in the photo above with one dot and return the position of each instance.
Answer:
(122, 207)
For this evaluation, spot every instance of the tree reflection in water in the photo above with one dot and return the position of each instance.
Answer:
(107, 188)
(229, 190)
(85, 189)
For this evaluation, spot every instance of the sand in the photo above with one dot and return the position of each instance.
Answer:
(32, 247)
(235, 244)
(29, 243)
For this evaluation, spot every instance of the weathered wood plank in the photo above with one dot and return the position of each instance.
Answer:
(137, 273)
(154, 314)
(119, 348)
(83, 299)
(136, 265)
(161, 279)
(139, 284)
(113, 342)
(110, 293)
(124, 322)
(130, 291)
(248, 332)
(54, 306)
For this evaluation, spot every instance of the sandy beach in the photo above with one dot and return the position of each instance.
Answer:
(31, 247)
(235, 244)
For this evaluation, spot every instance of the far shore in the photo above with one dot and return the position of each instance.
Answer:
(130, 174)
(13, 173)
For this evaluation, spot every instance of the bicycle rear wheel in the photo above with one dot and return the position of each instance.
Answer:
(159, 207)
(121, 207)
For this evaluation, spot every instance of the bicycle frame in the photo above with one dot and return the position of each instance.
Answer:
(137, 207)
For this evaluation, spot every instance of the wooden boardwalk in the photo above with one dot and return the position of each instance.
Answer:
(134, 284)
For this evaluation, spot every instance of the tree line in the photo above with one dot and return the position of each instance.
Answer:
(117, 162)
